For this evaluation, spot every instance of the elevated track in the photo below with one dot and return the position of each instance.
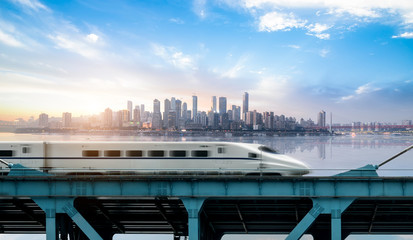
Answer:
(205, 207)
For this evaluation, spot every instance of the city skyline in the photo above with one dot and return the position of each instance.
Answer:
(294, 58)
(133, 108)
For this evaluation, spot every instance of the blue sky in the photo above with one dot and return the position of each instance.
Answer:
(351, 58)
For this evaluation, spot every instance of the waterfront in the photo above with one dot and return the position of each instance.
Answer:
(327, 155)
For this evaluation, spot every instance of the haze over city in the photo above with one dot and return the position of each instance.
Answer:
(352, 58)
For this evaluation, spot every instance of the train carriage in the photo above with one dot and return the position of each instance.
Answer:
(151, 157)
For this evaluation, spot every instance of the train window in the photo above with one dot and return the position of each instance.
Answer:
(252, 155)
(90, 153)
(200, 153)
(6, 153)
(25, 149)
(156, 153)
(221, 150)
(177, 153)
(112, 153)
(134, 153)
(267, 149)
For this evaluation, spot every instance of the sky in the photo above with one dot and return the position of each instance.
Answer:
(352, 58)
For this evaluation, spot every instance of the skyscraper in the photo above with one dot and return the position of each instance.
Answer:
(194, 107)
(245, 100)
(136, 114)
(66, 119)
(167, 108)
(43, 120)
(184, 112)
(178, 106)
(321, 119)
(214, 104)
(222, 105)
(143, 113)
(173, 103)
(107, 118)
(156, 117)
(130, 106)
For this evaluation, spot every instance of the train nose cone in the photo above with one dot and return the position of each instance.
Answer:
(299, 167)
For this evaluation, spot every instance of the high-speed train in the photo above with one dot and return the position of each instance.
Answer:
(150, 157)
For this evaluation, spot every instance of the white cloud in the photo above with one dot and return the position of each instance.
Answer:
(234, 71)
(318, 28)
(361, 90)
(276, 21)
(75, 44)
(355, 11)
(317, 31)
(294, 46)
(200, 8)
(324, 52)
(177, 20)
(31, 4)
(404, 35)
(93, 38)
(346, 12)
(366, 88)
(9, 40)
(174, 56)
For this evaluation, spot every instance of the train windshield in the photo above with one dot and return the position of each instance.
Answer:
(267, 149)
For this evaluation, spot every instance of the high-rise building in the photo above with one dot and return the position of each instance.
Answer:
(214, 104)
(194, 107)
(130, 106)
(173, 103)
(107, 118)
(172, 119)
(166, 108)
(184, 112)
(321, 119)
(143, 112)
(245, 99)
(136, 114)
(222, 105)
(43, 120)
(66, 120)
(156, 116)
(236, 113)
(178, 106)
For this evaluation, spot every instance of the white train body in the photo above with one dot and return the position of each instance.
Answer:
(150, 157)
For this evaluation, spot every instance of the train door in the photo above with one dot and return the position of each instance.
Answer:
(31, 154)
(221, 162)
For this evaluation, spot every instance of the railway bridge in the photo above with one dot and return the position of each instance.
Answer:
(205, 207)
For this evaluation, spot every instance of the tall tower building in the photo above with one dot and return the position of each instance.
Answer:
(108, 118)
(222, 105)
(136, 114)
(167, 108)
(156, 117)
(178, 106)
(184, 111)
(130, 107)
(214, 104)
(245, 99)
(173, 103)
(66, 119)
(43, 120)
(194, 107)
(321, 119)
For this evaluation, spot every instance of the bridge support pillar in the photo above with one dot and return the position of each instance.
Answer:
(64, 205)
(193, 207)
(333, 206)
(51, 231)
